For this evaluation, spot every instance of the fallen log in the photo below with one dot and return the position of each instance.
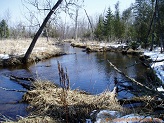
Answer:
(133, 80)
(21, 78)
(152, 91)
(158, 61)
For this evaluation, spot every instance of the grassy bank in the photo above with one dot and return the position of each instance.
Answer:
(16, 49)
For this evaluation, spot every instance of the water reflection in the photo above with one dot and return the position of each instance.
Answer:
(92, 72)
(9, 105)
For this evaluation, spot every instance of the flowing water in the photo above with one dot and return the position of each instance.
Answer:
(89, 72)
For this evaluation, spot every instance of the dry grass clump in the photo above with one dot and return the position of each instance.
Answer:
(72, 105)
(20, 46)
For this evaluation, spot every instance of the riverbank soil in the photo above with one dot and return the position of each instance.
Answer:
(12, 50)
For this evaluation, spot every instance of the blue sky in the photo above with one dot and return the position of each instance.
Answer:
(93, 7)
(14, 8)
(98, 6)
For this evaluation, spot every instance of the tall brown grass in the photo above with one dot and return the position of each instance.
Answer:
(49, 100)
(20, 46)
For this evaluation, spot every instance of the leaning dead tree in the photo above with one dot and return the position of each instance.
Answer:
(68, 7)
(27, 54)
(90, 23)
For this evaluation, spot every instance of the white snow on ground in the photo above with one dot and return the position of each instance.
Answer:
(4, 56)
(106, 116)
(155, 55)
(160, 89)
(111, 45)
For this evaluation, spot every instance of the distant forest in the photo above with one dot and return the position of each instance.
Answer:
(140, 24)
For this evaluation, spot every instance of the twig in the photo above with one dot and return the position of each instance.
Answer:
(12, 90)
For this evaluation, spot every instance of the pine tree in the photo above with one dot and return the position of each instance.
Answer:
(127, 19)
(4, 30)
(108, 25)
(99, 29)
(118, 25)
(143, 13)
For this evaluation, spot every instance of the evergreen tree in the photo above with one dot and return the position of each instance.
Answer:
(127, 18)
(99, 29)
(143, 13)
(108, 25)
(118, 25)
(4, 30)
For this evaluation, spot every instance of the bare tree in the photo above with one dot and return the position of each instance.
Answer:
(25, 58)
(90, 23)
(76, 23)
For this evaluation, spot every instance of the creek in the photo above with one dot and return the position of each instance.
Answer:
(90, 72)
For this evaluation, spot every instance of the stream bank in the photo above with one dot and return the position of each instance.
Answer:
(13, 51)
(92, 69)
(151, 59)
(96, 46)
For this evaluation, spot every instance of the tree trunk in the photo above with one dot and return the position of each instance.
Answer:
(153, 22)
(25, 58)
(159, 24)
(76, 23)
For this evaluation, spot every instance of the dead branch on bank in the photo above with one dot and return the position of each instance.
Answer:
(133, 80)
(136, 82)
(16, 78)
(151, 105)
(158, 61)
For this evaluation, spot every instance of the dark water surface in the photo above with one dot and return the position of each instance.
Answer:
(89, 72)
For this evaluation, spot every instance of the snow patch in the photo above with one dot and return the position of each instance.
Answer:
(4, 56)
(112, 45)
(106, 116)
(160, 89)
(157, 66)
